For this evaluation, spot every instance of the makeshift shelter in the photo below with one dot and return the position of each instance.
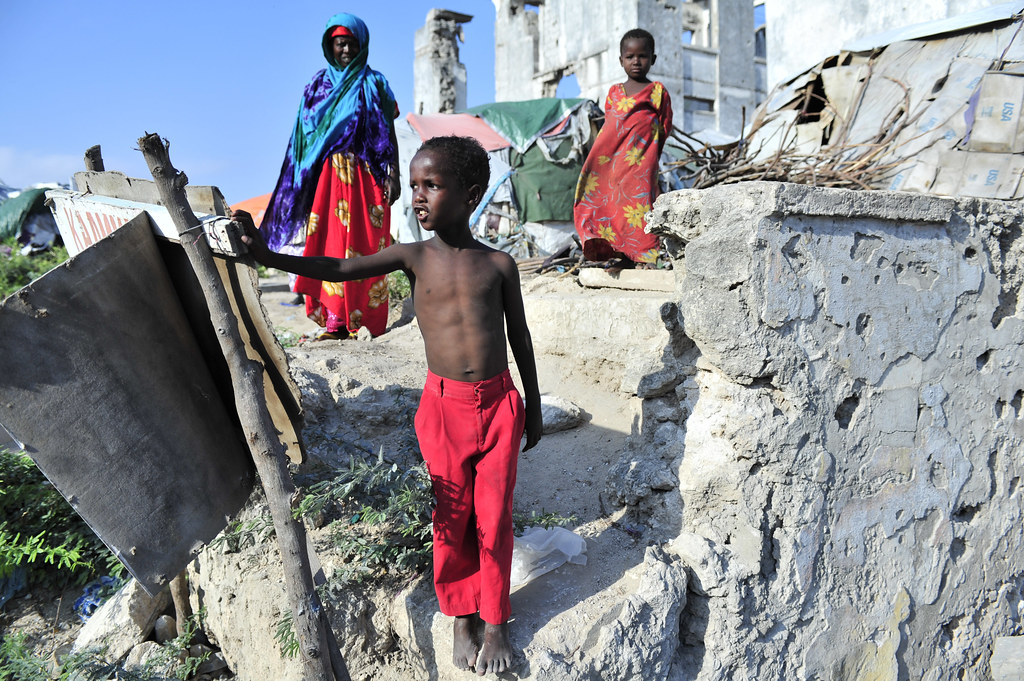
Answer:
(931, 108)
(537, 148)
(24, 215)
(150, 452)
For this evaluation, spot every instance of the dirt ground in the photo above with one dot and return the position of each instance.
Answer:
(565, 474)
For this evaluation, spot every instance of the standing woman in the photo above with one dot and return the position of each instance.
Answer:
(339, 179)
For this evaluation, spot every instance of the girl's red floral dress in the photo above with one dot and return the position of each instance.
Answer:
(619, 180)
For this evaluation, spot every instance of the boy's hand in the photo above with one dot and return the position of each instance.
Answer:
(251, 236)
(534, 427)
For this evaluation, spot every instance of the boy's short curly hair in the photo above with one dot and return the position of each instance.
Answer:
(463, 157)
(637, 34)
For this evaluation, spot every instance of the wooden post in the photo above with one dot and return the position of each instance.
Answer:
(94, 158)
(182, 607)
(320, 662)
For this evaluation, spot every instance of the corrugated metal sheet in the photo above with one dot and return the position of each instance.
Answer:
(937, 115)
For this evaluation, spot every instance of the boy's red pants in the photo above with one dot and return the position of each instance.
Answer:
(469, 434)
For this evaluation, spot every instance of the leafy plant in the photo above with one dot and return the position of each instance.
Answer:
(399, 286)
(17, 663)
(385, 515)
(176, 655)
(285, 635)
(238, 534)
(17, 270)
(545, 519)
(41, 533)
(15, 551)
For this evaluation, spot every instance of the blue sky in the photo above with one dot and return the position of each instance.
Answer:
(220, 80)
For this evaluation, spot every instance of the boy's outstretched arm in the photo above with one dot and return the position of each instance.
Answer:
(322, 268)
(522, 349)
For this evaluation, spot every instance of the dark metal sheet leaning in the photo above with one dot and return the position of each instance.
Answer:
(102, 381)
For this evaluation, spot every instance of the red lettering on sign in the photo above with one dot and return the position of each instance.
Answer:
(76, 236)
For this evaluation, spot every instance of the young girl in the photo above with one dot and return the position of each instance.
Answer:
(619, 180)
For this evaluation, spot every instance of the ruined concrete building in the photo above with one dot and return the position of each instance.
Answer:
(706, 53)
(800, 33)
(439, 76)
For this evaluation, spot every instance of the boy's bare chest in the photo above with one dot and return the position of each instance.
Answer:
(461, 280)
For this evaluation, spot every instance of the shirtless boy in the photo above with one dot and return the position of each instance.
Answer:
(471, 418)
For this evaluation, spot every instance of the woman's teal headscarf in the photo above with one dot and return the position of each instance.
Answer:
(343, 109)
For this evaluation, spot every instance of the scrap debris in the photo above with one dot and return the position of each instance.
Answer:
(936, 112)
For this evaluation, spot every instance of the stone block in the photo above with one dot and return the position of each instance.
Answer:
(124, 621)
(1007, 662)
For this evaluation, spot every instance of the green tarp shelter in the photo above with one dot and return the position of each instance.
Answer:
(545, 190)
(521, 123)
(14, 211)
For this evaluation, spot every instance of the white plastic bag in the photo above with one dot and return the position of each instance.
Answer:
(541, 550)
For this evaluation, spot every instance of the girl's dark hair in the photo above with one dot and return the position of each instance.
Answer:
(463, 157)
(637, 34)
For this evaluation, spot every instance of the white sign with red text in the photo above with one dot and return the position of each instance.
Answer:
(84, 219)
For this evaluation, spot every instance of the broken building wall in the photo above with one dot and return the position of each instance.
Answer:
(845, 432)
(800, 33)
(439, 78)
(711, 81)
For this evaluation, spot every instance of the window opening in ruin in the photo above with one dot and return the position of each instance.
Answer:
(515, 5)
(568, 87)
(691, 104)
(696, 23)
(760, 40)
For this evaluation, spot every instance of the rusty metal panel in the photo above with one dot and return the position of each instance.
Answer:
(102, 382)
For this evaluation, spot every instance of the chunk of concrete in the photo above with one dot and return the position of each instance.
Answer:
(123, 622)
(630, 280)
(559, 414)
(1007, 660)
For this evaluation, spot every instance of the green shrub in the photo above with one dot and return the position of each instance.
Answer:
(40, 532)
(385, 516)
(284, 632)
(19, 663)
(545, 519)
(399, 287)
(18, 270)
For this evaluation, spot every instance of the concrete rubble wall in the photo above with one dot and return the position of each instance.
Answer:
(848, 442)
(439, 78)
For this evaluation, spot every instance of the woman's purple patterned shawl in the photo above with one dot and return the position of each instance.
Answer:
(342, 110)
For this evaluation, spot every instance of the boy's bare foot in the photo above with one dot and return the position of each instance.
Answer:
(464, 647)
(496, 654)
